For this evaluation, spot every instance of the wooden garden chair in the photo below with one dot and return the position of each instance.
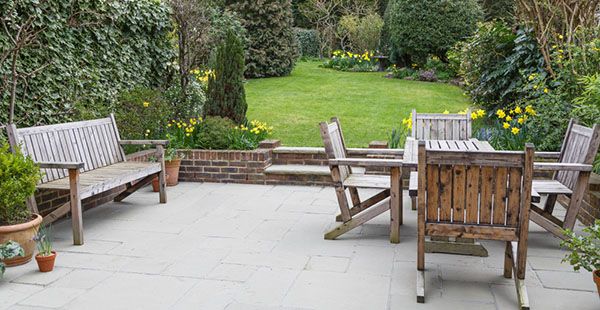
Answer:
(571, 177)
(439, 126)
(479, 195)
(345, 178)
(436, 126)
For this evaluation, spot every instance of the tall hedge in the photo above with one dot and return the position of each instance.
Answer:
(272, 48)
(226, 94)
(416, 29)
(87, 52)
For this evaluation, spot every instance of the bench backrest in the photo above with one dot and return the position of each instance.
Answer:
(489, 189)
(430, 126)
(94, 142)
(579, 146)
(335, 147)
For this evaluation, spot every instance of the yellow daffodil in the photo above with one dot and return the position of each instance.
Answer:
(473, 115)
(501, 113)
(446, 112)
(146, 104)
(521, 120)
(508, 118)
(529, 110)
(480, 113)
(511, 112)
(560, 37)
(546, 90)
(518, 110)
(535, 87)
(515, 130)
(506, 125)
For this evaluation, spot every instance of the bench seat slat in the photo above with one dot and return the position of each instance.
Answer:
(106, 178)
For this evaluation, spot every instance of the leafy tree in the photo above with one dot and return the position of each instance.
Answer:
(417, 29)
(226, 94)
(498, 10)
(272, 49)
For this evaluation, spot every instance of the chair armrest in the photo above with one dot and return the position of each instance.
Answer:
(359, 151)
(142, 142)
(547, 155)
(60, 165)
(366, 162)
(561, 167)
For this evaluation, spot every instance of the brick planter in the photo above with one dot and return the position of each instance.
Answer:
(225, 166)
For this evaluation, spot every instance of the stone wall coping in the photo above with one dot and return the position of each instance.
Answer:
(299, 150)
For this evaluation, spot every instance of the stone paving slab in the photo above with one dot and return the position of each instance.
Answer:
(232, 246)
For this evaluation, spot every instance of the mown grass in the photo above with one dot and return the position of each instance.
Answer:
(368, 104)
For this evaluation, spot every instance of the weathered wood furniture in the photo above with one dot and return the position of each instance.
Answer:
(571, 176)
(344, 178)
(85, 158)
(434, 126)
(476, 194)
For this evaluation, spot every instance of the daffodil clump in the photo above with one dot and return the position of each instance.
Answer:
(202, 75)
(509, 127)
(249, 135)
(348, 61)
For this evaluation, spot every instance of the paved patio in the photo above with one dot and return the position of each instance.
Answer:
(231, 246)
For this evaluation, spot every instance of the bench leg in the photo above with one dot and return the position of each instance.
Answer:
(162, 182)
(133, 188)
(76, 215)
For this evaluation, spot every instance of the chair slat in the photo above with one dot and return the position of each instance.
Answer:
(433, 192)
(459, 193)
(501, 183)
(472, 194)
(446, 193)
(427, 126)
(514, 196)
(485, 209)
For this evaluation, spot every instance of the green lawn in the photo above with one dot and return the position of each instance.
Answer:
(368, 104)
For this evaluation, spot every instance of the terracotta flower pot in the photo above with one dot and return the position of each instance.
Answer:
(46, 263)
(172, 168)
(597, 280)
(22, 234)
(155, 184)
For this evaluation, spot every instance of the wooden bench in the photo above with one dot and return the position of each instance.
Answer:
(85, 158)
(437, 126)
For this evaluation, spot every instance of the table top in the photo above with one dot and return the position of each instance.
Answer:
(411, 147)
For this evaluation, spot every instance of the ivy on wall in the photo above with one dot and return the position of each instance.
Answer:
(81, 55)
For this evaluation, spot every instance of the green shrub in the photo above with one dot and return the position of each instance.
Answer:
(585, 250)
(185, 105)
(18, 177)
(403, 73)
(226, 94)
(360, 33)
(85, 54)
(417, 29)
(308, 42)
(214, 133)
(549, 128)
(272, 49)
(587, 106)
(496, 63)
(498, 10)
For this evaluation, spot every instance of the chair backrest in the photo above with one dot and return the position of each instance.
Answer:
(490, 190)
(94, 142)
(335, 148)
(430, 126)
(579, 146)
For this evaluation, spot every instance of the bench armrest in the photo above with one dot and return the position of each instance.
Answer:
(142, 142)
(360, 151)
(366, 162)
(561, 167)
(60, 165)
(547, 155)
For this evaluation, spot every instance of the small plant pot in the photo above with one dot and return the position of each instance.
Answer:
(155, 184)
(596, 274)
(172, 167)
(46, 263)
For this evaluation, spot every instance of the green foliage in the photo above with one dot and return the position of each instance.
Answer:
(213, 133)
(498, 10)
(226, 94)
(397, 137)
(272, 49)
(495, 63)
(142, 113)
(549, 128)
(362, 33)
(308, 42)
(18, 178)
(185, 105)
(587, 105)
(8, 250)
(585, 250)
(91, 50)
(43, 240)
(347, 61)
(417, 29)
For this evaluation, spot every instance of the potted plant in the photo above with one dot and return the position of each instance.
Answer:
(18, 178)
(585, 250)
(172, 165)
(46, 255)
(8, 250)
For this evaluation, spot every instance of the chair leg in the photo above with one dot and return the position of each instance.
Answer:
(356, 221)
(162, 187)
(76, 213)
(550, 202)
(508, 261)
(421, 286)
(519, 275)
(413, 201)
(421, 267)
